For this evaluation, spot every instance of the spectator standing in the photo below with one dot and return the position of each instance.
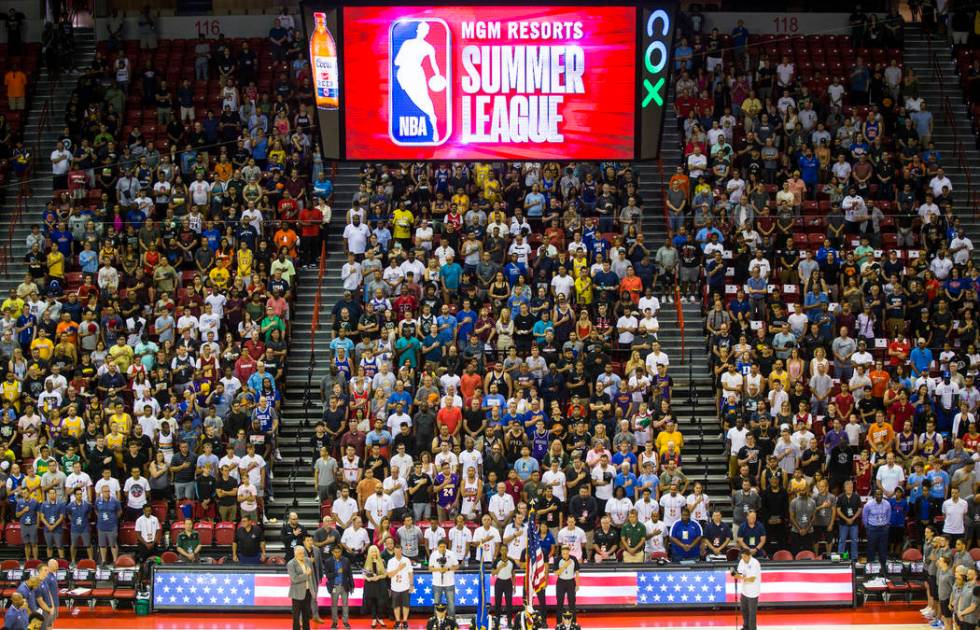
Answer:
(15, 81)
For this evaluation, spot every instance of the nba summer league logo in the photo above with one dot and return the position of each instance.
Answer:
(420, 80)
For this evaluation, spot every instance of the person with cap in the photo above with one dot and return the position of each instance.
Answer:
(749, 573)
(441, 620)
(567, 621)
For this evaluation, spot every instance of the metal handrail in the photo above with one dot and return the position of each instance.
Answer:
(947, 111)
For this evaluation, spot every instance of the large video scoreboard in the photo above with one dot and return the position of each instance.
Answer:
(490, 82)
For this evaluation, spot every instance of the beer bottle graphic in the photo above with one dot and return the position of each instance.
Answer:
(323, 57)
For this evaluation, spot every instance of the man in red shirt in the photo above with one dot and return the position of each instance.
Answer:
(405, 303)
(310, 222)
(451, 416)
(900, 412)
(898, 351)
(288, 208)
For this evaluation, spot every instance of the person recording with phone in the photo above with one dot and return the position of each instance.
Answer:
(443, 564)
(749, 573)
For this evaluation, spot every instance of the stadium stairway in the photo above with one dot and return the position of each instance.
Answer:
(42, 128)
(693, 396)
(307, 363)
(935, 84)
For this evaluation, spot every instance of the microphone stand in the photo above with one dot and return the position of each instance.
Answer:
(738, 605)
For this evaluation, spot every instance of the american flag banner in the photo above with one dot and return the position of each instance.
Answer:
(537, 570)
(716, 586)
(184, 587)
(236, 589)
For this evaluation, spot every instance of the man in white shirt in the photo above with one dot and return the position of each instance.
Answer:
(961, 247)
(655, 534)
(253, 467)
(941, 265)
(501, 507)
(147, 529)
(562, 283)
(649, 301)
(345, 509)
(443, 564)
(401, 462)
(486, 538)
(356, 236)
(137, 491)
(626, 327)
(954, 512)
(402, 583)
(351, 274)
(470, 458)
(749, 573)
(396, 488)
(460, 539)
(938, 182)
(515, 537)
(573, 537)
(656, 357)
(672, 504)
(60, 164)
(555, 479)
(79, 479)
(355, 540)
(890, 476)
(697, 162)
(378, 506)
(785, 73)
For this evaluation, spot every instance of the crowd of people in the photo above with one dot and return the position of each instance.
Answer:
(840, 292)
(144, 349)
(495, 350)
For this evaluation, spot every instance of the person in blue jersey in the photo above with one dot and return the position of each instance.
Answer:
(77, 512)
(25, 511)
(18, 615)
(685, 538)
(107, 510)
(52, 517)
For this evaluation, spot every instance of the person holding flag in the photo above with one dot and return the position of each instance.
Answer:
(536, 575)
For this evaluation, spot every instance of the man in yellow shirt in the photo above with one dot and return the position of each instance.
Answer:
(491, 190)
(404, 220)
(121, 354)
(10, 390)
(219, 276)
(56, 264)
(121, 419)
(668, 435)
(44, 345)
(583, 288)
(482, 172)
(245, 259)
(13, 304)
(462, 200)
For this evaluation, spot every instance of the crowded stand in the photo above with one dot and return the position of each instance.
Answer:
(494, 356)
(145, 347)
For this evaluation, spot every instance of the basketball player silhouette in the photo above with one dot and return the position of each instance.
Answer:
(411, 75)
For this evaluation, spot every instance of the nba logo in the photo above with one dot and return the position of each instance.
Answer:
(419, 80)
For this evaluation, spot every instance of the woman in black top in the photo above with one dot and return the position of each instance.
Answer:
(375, 587)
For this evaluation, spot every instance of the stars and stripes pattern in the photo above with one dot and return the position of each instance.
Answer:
(179, 588)
(536, 568)
(467, 590)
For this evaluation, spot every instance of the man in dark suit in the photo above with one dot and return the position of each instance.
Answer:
(340, 583)
(302, 588)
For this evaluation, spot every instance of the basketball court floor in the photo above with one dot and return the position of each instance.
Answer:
(869, 617)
